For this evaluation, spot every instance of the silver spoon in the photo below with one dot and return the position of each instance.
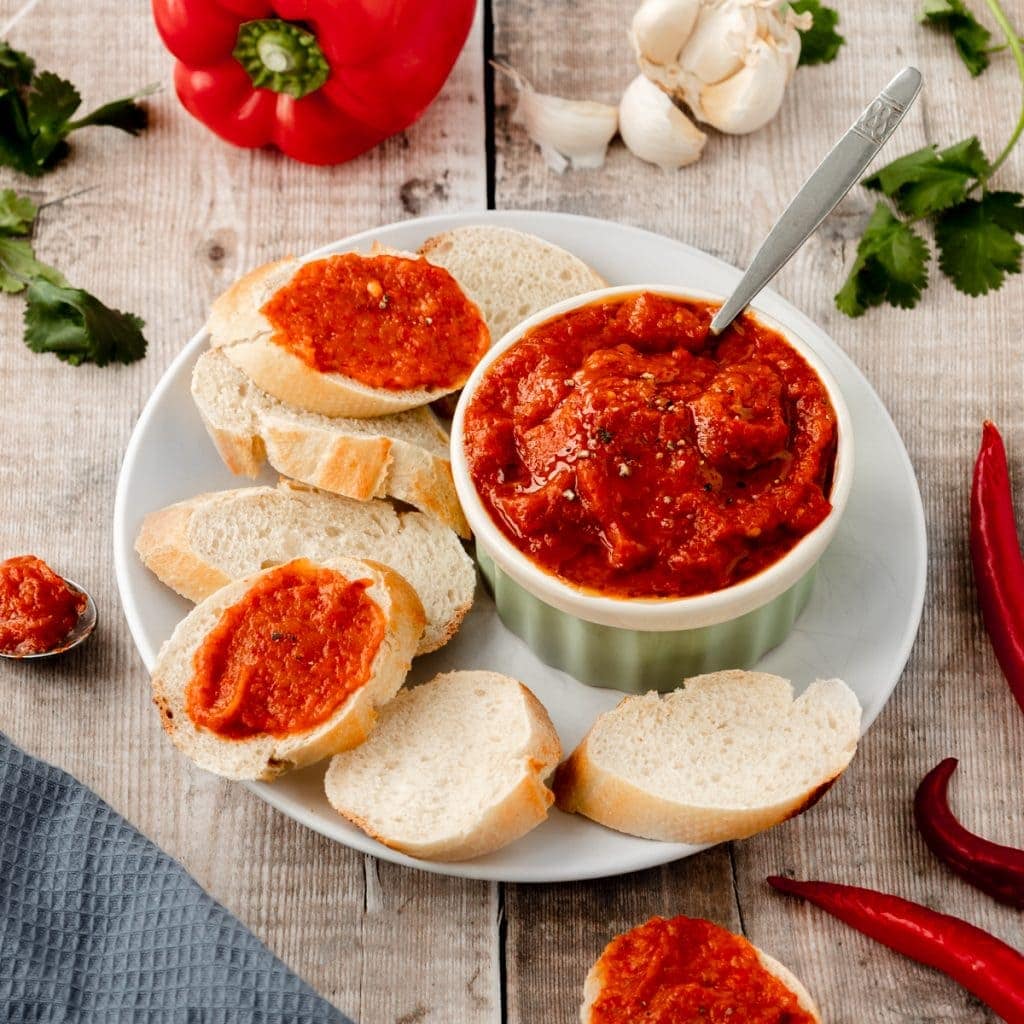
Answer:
(820, 194)
(81, 631)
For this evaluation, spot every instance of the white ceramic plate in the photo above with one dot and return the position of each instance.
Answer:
(860, 625)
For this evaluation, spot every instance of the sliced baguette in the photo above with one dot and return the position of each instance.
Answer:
(265, 756)
(455, 768)
(728, 755)
(509, 274)
(239, 329)
(199, 545)
(403, 456)
(596, 979)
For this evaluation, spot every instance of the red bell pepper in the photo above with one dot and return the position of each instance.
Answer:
(323, 80)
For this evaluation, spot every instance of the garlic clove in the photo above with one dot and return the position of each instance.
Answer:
(749, 99)
(789, 42)
(655, 129)
(720, 40)
(660, 28)
(570, 133)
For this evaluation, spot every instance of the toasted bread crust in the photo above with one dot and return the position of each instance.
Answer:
(168, 546)
(596, 786)
(165, 550)
(245, 335)
(524, 806)
(264, 757)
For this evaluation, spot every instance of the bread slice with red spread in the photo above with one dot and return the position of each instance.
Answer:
(684, 968)
(455, 769)
(404, 456)
(509, 274)
(252, 684)
(391, 333)
(727, 755)
(199, 545)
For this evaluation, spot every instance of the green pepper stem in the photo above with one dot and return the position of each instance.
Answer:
(281, 56)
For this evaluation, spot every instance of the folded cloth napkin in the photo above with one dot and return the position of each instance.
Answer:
(97, 924)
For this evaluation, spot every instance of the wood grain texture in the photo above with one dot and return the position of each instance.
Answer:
(171, 218)
(940, 369)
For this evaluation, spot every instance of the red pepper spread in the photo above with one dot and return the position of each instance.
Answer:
(286, 656)
(37, 607)
(689, 971)
(628, 451)
(386, 321)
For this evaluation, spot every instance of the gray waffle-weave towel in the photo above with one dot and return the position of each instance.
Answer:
(97, 924)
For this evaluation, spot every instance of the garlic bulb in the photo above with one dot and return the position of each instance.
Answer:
(570, 133)
(732, 59)
(655, 129)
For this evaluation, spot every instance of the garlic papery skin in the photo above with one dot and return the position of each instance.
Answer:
(570, 133)
(749, 99)
(661, 27)
(655, 129)
(720, 41)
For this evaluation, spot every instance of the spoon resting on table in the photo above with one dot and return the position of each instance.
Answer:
(821, 193)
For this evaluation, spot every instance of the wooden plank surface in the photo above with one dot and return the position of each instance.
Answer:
(940, 370)
(172, 217)
(170, 220)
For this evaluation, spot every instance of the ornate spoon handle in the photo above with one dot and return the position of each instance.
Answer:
(820, 194)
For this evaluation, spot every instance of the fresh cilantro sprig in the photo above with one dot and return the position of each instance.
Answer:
(69, 322)
(975, 228)
(820, 43)
(37, 114)
(973, 41)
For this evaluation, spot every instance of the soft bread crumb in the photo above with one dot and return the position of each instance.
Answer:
(728, 754)
(455, 768)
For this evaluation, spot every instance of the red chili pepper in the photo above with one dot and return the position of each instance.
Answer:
(997, 870)
(996, 556)
(323, 80)
(979, 962)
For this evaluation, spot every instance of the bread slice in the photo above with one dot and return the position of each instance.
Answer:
(266, 756)
(509, 274)
(243, 333)
(454, 770)
(199, 545)
(597, 975)
(403, 456)
(728, 755)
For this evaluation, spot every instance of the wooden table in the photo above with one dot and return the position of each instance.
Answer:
(161, 224)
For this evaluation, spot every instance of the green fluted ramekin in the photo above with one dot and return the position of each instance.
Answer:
(634, 660)
(644, 644)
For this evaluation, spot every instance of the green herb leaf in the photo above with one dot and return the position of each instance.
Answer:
(821, 42)
(977, 241)
(17, 213)
(972, 39)
(16, 68)
(78, 328)
(126, 114)
(891, 266)
(927, 181)
(36, 112)
(19, 266)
